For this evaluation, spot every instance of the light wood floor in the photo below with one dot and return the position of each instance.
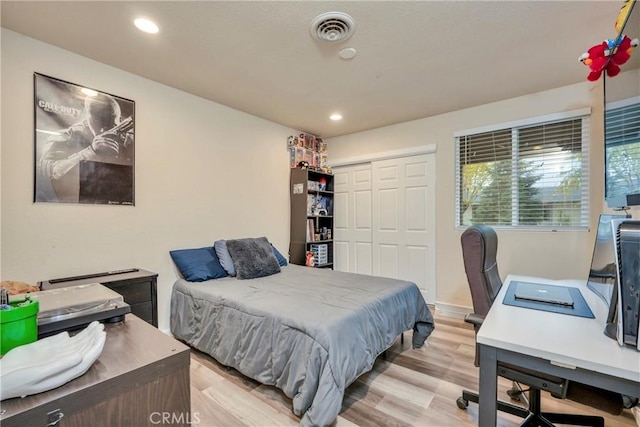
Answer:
(409, 388)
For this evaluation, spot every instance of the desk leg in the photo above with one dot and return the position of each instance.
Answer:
(488, 386)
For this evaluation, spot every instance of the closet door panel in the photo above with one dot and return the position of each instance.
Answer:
(353, 220)
(364, 258)
(341, 213)
(387, 260)
(403, 219)
(386, 226)
(341, 256)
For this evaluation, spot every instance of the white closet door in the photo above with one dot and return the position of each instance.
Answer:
(352, 219)
(404, 220)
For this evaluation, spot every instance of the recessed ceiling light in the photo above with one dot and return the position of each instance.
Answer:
(335, 117)
(146, 25)
(89, 92)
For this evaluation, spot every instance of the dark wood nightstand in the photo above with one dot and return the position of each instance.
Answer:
(138, 287)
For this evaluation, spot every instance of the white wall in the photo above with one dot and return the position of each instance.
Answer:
(203, 172)
(550, 254)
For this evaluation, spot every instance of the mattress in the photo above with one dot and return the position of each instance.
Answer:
(310, 332)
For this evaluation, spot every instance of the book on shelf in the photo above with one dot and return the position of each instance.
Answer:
(310, 230)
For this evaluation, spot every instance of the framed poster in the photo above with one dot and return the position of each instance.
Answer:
(84, 144)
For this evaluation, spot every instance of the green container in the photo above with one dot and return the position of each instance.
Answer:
(18, 324)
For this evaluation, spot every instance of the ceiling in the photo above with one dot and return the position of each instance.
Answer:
(414, 59)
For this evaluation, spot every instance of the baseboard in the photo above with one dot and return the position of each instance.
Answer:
(452, 310)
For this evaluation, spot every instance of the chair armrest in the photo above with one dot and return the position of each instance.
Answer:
(474, 318)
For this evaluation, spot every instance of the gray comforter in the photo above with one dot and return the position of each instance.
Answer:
(310, 332)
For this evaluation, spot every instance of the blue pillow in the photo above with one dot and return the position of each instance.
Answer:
(198, 265)
(282, 261)
(220, 246)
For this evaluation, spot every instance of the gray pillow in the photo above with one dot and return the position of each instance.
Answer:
(253, 257)
(220, 246)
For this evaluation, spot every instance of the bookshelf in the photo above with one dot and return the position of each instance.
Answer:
(311, 194)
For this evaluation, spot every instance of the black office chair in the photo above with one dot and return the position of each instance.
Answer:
(479, 250)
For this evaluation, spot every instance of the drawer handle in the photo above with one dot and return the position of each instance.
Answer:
(54, 417)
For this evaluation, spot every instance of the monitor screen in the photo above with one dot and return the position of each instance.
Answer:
(602, 272)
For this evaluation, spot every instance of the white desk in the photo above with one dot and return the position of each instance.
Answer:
(566, 346)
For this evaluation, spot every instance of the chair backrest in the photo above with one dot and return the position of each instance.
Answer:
(479, 250)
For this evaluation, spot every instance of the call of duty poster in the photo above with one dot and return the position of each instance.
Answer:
(84, 144)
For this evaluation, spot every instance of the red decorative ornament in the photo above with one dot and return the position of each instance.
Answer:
(601, 57)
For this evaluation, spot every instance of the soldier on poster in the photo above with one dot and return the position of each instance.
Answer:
(84, 145)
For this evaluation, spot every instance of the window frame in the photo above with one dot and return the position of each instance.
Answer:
(584, 114)
(634, 102)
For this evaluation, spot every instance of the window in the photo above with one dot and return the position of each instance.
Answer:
(533, 173)
(622, 150)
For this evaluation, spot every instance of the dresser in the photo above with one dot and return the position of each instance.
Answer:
(141, 377)
(138, 287)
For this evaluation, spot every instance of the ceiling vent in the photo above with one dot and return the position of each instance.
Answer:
(332, 27)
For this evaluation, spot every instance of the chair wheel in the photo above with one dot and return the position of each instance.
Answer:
(514, 395)
(462, 403)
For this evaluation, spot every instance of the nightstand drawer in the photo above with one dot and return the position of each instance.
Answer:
(143, 311)
(133, 293)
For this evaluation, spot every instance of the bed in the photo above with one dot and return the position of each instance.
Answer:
(310, 332)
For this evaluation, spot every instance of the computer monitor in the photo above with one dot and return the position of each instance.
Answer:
(602, 272)
(626, 233)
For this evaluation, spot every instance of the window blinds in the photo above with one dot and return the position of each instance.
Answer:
(528, 176)
(622, 150)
